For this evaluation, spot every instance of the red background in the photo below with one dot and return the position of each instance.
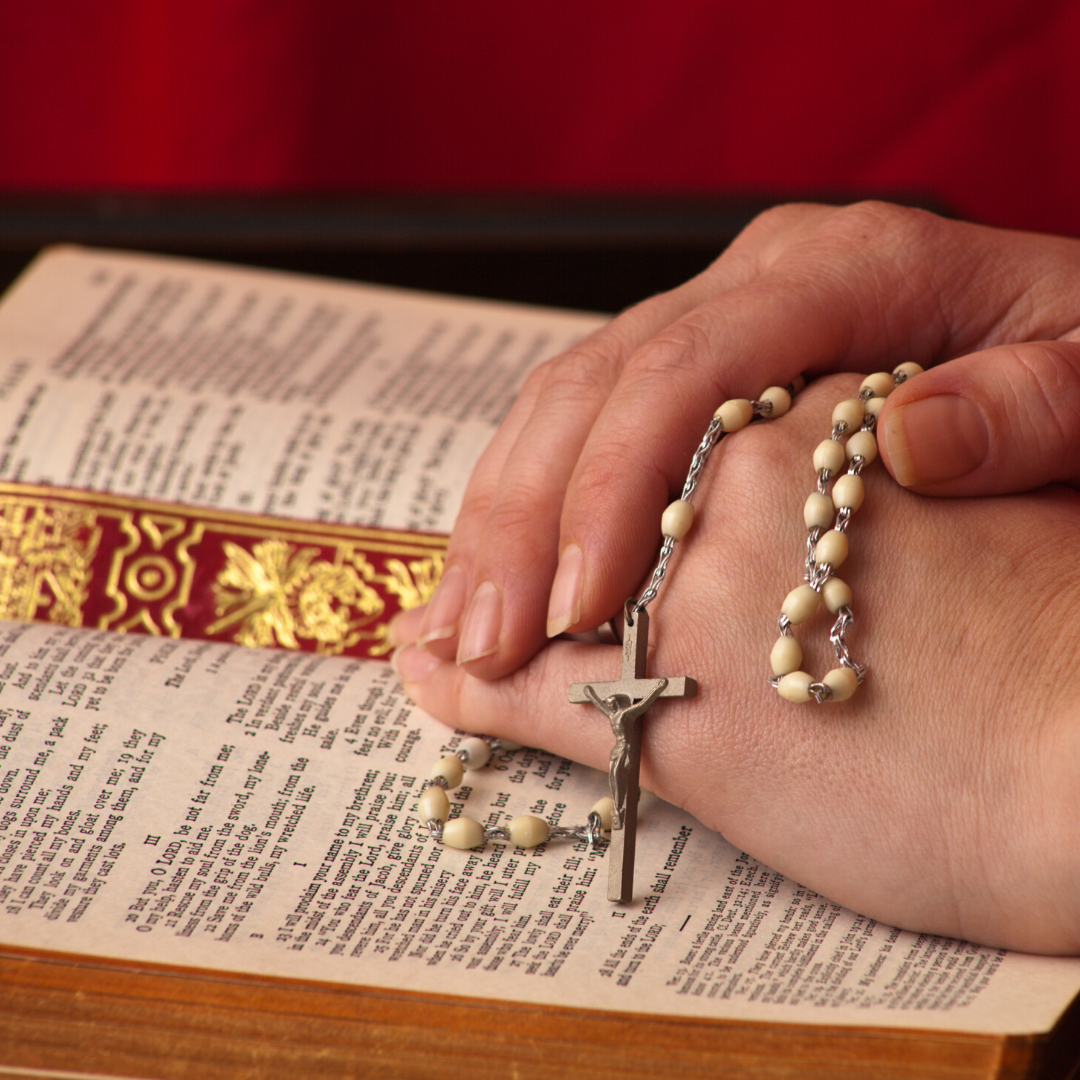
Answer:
(976, 105)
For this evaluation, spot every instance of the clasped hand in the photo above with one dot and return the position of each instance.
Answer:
(945, 796)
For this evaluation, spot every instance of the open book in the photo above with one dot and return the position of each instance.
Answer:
(210, 853)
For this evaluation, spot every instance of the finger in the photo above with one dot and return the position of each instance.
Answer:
(507, 533)
(531, 706)
(1003, 420)
(404, 627)
(872, 287)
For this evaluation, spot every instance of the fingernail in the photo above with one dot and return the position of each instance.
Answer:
(412, 664)
(444, 608)
(564, 607)
(481, 625)
(934, 438)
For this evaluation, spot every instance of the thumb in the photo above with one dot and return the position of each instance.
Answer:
(989, 423)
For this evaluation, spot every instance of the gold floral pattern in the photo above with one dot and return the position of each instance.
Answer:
(281, 594)
(45, 557)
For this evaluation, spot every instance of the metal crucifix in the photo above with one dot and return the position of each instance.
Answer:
(624, 703)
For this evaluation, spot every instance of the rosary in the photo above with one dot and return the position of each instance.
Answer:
(626, 700)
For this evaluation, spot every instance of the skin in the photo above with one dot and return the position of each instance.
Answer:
(943, 796)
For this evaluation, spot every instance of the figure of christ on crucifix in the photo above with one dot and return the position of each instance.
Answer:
(624, 703)
(621, 710)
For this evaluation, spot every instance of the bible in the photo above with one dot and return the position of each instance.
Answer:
(218, 485)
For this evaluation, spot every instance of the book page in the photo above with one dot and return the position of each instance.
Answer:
(236, 809)
(251, 390)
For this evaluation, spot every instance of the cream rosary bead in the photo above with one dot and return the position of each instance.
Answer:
(848, 412)
(433, 805)
(786, 655)
(463, 833)
(677, 519)
(874, 407)
(735, 414)
(528, 831)
(602, 809)
(862, 444)
(474, 753)
(848, 492)
(832, 548)
(800, 604)
(829, 454)
(779, 399)
(842, 683)
(836, 594)
(907, 371)
(795, 686)
(879, 384)
(818, 511)
(449, 769)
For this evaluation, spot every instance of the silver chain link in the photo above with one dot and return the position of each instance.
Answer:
(712, 436)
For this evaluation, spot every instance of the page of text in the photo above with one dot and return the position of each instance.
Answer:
(258, 391)
(208, 805)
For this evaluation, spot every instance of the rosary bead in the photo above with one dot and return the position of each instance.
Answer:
(603, 808)
(477, 753)
(836, 594)
(450, 769)
(832, 548)
(795, 686)
(677, 519)
(434, 805)
(786, 655)
(879, 384)
(908, 370)
(829, 454)
(848, 491)
(780, 400)
(818, 511)
(874, 407)
(528, 831)
(800, 604)
(843, 682)
(463, 833)
(849, 412)
(798, 384)
(735, 414)
(864, 444)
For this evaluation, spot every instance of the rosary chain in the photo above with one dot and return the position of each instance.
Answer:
(526, 831)
(713, 434)
(833, 512)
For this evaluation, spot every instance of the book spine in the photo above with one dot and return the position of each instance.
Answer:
(90, 558)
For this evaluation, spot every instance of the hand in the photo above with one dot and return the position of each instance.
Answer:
(943, 797)
(557, 526)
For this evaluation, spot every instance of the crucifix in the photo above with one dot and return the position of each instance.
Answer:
(624, 702)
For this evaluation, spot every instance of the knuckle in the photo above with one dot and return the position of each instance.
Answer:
(514, 515)
(685, 344)
(897, 228)
(1050, 407)
(474, 504)
(779, 219)
(590, 366)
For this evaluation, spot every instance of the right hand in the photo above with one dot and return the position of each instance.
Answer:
(557, 527)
